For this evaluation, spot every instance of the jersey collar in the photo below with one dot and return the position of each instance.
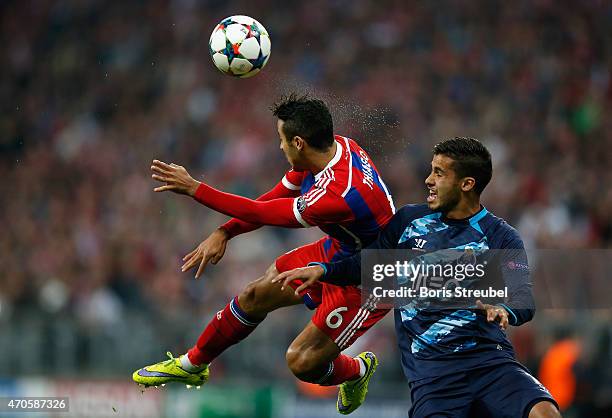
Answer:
(474, 219)
(333, 161)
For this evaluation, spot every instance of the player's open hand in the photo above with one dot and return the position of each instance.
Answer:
(211, 249)
(177, 179)
(495, 313)
(308, 275)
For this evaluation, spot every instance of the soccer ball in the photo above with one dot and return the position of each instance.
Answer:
(240, 46)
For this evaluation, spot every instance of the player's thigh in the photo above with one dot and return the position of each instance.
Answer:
(441, 397)
(300, 257)
(345, 314)
(262, 296)
(508, 390)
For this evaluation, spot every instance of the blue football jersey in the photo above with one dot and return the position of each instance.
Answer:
(435, 340)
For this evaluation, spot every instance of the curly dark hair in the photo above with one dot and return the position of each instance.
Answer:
(307, 118)
(471, 159)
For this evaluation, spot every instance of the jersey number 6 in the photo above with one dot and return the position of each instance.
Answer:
(334, 319)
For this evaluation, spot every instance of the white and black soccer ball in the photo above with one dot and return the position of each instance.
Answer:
(240, 46)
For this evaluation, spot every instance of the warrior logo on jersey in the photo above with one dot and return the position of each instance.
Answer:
(301, 204)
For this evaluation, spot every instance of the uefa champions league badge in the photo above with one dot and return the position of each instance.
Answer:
(301, 204)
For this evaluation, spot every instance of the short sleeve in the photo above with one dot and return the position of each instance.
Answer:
(293, 179)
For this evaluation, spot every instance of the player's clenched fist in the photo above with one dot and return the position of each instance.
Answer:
(308, 275)
(495, 313)
(177, 179)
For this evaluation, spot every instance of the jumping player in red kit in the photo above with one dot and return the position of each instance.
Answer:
(334, 185)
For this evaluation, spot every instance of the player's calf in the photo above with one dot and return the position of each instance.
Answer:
(307, 365)
(314, 357)
(229, 326)
(240, 317)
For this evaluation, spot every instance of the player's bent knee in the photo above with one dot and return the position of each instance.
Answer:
(248, 299)
(271, 272)
(262, 296)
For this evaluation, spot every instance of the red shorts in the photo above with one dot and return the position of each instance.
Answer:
(342, 313)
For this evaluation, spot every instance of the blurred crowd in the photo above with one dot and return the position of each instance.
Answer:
(91, 91)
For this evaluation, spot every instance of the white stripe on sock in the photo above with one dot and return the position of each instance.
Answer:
(362, 367)
(190, 367)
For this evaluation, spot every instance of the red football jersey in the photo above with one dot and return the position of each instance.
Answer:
(347, 199)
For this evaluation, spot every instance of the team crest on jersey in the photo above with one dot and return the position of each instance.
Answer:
(515, 265)
(301, 204)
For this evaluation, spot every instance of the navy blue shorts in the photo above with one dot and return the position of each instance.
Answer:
(499, 391)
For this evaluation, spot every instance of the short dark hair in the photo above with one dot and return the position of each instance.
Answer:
(305, 117)
(471, 159)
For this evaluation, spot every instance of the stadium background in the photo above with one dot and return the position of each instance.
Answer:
(91, 91)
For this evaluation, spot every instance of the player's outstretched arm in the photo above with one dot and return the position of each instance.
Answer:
(278, 212)
(345, 272)
(213, 247)
(177, 179)
(283, 188)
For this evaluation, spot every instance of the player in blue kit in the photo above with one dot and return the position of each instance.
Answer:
(458, 361)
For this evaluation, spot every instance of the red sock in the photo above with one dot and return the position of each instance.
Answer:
(342, 369)
(228, 327)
